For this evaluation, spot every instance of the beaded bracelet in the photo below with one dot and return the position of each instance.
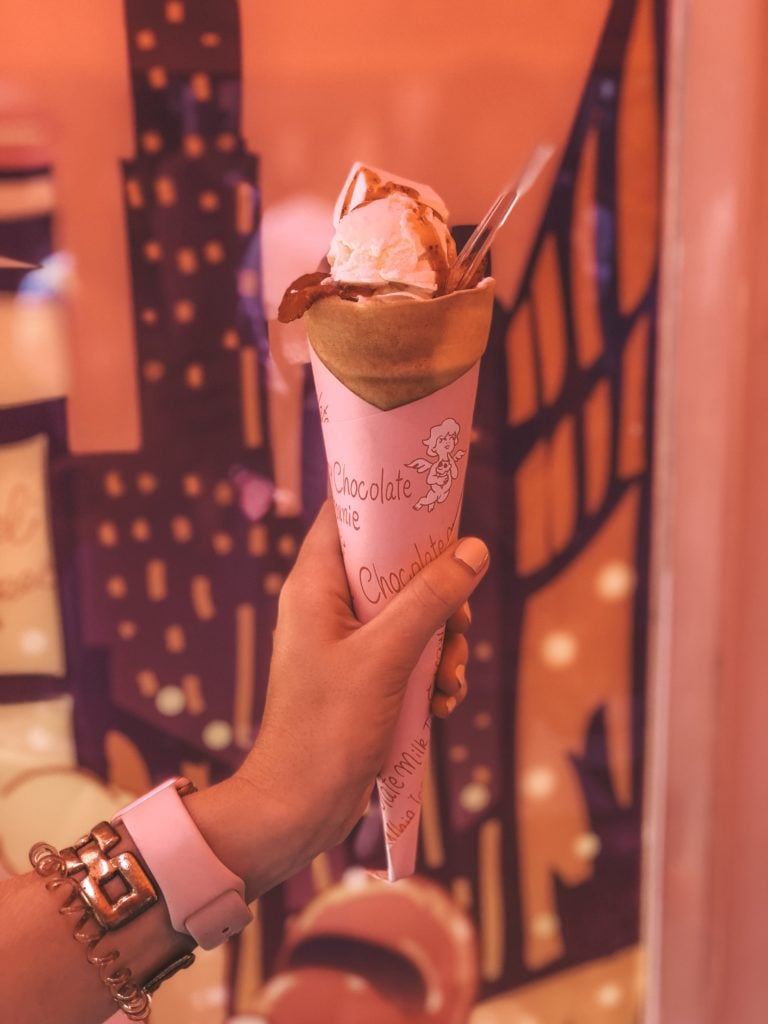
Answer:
(97, 914)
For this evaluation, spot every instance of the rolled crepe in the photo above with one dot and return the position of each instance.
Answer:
(396, 381)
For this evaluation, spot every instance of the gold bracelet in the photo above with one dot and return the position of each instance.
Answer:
(97, 914)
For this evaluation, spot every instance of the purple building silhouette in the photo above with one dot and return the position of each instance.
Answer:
(180, 558)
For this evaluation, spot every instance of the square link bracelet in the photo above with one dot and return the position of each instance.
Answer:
(85, 869)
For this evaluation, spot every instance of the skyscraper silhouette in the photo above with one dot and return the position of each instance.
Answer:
(181, 558)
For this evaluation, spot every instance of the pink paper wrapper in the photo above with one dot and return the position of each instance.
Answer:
(397, 479)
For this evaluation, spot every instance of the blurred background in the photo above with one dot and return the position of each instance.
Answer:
(172, 166)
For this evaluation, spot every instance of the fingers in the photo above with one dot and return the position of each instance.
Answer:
(320, 559)
(321, 542)
(407, 622)
(450, 682)
(443, 704)
(461, 619)
(455, 654)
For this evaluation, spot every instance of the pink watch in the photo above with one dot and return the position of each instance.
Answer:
(204, 898)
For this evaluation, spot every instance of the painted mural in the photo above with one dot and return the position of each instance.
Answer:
(138, 588)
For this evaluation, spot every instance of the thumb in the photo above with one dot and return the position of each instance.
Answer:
(408, 621)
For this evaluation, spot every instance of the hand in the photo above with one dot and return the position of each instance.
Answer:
(451, 680)
(336, 686)
(334, 695)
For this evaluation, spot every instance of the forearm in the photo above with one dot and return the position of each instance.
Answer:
(44, 973)
(257, 827)
(335, 693)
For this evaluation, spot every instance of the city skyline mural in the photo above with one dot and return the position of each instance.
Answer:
(140, 582)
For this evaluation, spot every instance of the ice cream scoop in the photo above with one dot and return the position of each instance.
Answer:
(391, 239)
(391, 233)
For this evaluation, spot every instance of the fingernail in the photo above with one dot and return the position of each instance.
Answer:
(450, 704)
(472, 553)
(467, 611)
(461, 677)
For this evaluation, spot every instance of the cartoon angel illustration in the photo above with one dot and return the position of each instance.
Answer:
(441, 446)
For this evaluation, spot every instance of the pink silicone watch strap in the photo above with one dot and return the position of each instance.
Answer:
(204, 898)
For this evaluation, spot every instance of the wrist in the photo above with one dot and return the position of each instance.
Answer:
(316, 804)
(256, 833)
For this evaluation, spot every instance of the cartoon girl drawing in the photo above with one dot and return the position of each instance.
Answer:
(441, 446)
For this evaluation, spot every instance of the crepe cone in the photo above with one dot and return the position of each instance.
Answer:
(391, 352)
(396, 383)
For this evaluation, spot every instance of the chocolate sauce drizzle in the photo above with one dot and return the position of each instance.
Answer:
(308, 288)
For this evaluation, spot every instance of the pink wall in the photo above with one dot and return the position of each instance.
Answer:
(708, 841)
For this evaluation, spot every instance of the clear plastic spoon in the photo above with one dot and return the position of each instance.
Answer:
(471, 257)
